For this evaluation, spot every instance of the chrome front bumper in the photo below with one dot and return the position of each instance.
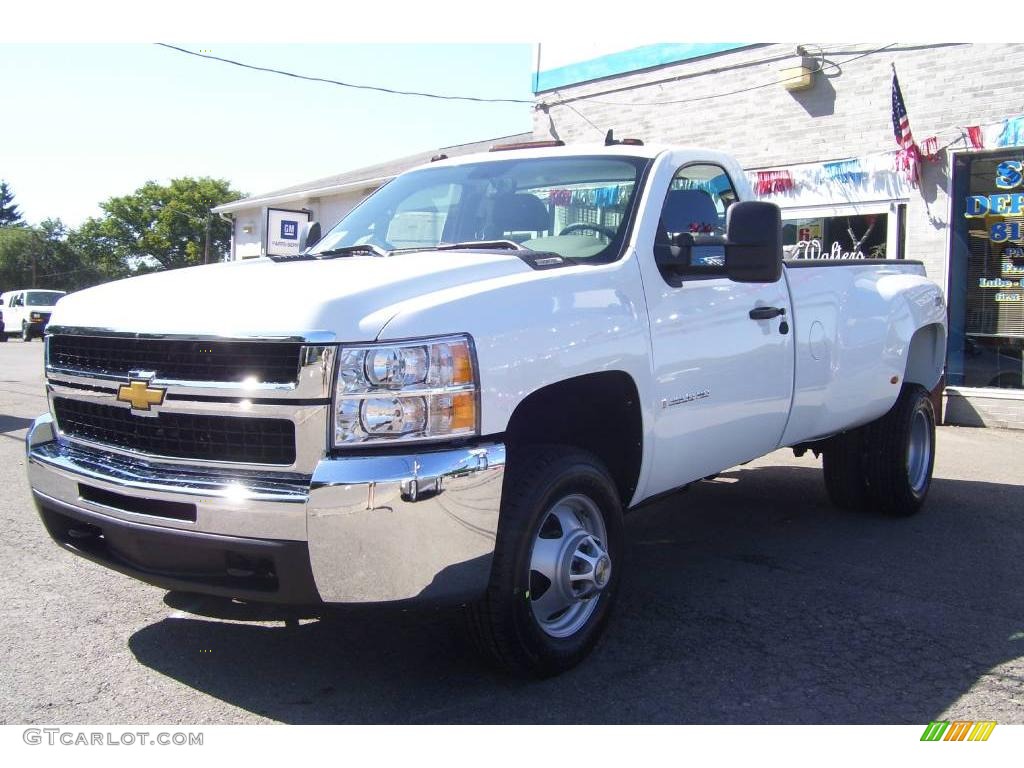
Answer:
(374, 528)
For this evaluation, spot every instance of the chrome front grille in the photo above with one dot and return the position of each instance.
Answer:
(179, 359)
(226, 403)
(180, 435)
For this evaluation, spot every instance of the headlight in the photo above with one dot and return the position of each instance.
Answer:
(410, 390)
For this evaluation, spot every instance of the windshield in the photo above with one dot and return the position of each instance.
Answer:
(576, 207)
(42, 298)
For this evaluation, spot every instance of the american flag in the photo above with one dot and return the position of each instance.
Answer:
(900, 121)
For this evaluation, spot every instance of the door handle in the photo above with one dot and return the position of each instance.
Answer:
(766, 313)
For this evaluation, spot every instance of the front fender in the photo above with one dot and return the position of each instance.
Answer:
(539, 328)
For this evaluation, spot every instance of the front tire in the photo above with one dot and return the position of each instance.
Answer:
(26, 335)
(557, 563)
(901, 455)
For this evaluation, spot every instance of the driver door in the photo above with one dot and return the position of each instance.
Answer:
(723, 380)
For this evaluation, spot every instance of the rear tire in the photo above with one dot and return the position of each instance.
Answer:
(843, 464)
(901, 458)
(561, 517)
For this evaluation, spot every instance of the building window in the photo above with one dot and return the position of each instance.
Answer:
(854, 236)
(986, 283)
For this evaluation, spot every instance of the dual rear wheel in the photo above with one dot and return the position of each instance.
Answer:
(885, 466)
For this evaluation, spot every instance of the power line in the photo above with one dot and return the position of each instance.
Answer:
(357, 86)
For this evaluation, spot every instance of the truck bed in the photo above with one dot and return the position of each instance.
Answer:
(851, 318)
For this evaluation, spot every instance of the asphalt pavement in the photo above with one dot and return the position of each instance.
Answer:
(746, 599)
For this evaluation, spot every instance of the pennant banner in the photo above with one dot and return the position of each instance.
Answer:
(773, 182)
(930, 148)
(975, 137)
(845, 172)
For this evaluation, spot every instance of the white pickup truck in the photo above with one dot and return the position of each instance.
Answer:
(455, 395)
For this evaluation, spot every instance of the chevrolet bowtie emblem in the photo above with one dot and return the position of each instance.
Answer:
(140, 394)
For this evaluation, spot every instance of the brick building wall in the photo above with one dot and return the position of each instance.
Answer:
(847, 113)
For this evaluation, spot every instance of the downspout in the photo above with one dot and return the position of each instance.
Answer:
(231, 220)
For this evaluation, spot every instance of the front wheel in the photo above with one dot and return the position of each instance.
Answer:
(901, 454)
(557, 563)
(26, 335)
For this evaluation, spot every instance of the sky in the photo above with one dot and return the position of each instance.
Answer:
(80, 123)
(90, 108)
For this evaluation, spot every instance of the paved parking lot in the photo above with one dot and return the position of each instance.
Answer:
(747, 599)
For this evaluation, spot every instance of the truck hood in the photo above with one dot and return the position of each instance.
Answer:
(351, 297)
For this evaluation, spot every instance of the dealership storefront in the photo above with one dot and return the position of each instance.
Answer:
(986, 269)
(821, 145)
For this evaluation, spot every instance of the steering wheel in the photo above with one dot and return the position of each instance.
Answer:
(583, 226)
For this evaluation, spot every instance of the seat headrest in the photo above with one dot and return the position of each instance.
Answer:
(684, 207)
(520, 213)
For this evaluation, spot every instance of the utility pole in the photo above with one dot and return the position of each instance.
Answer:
(206, 247)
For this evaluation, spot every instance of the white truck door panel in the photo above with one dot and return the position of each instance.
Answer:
(723, 382)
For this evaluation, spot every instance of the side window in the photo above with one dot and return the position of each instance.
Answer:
(695, 205)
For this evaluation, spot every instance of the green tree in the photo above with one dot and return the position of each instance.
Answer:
(10, 216)
(44, 257)
(158, 226)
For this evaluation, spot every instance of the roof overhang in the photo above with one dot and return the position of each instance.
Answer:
(334, 189)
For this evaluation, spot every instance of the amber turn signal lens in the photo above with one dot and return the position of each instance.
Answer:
(462, 365)
(463, 411)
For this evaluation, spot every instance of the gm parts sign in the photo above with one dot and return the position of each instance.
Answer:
(284, 229)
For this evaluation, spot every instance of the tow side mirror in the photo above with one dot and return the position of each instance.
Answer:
(310, 235)
(753, 251)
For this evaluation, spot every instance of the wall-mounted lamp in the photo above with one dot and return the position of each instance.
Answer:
(799, 75)
(247, 229)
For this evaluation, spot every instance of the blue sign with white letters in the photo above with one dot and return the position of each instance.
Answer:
(289, 230)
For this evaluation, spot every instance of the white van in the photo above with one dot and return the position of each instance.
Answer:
(27, 311)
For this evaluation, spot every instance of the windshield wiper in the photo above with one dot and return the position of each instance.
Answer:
(482, 245)
(347, 250)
